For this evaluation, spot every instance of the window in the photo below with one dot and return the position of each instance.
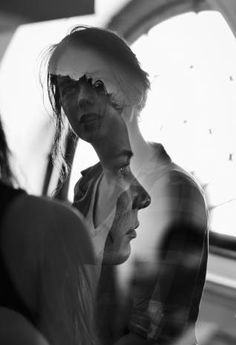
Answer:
(192, 105)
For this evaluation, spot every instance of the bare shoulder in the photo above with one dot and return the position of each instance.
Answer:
(175, 181)
(180, 195)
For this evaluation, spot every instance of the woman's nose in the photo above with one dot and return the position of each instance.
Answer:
(141, 197)
(86, 95)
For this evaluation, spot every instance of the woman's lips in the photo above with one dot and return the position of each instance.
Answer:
(131, 232)
(89, 117)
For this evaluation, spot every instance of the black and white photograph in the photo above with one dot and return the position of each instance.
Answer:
(117, 172)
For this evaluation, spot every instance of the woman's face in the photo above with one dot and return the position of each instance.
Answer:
(93, 90)
(95, 93)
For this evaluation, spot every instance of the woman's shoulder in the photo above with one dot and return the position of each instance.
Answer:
(177, 183)
(170, 174)
(181, 191)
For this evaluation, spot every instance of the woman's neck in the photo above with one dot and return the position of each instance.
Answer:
(142, 150)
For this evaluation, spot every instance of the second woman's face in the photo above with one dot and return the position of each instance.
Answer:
(93, 90)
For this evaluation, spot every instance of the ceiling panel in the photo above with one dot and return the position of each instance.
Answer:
(41, 10)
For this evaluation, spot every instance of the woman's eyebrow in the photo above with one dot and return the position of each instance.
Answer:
(127, 153)
(65, 79)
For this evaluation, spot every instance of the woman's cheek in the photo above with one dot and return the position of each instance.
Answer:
(123, 202)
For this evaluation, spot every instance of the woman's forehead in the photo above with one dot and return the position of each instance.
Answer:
(77, 61)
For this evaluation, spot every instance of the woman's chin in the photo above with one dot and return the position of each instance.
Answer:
(116, 257)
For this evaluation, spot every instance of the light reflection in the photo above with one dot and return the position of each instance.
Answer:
(191, 106)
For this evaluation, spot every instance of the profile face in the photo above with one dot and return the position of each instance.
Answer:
(123, 230)
(127, 196)
(93, 89)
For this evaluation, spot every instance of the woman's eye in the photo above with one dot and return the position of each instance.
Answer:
(99, 85)
(124, 171)
(68, 89)
(66, 85)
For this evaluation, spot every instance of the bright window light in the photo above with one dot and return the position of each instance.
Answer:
(192, 105)
(27, 122)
